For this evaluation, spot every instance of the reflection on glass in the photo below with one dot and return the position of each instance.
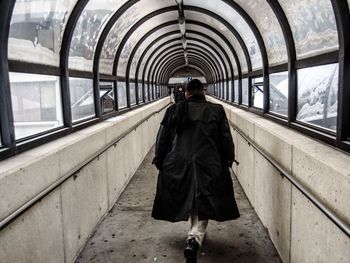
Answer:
(236, 98)
(225, 89)
(313, 26)
(107, 96)
(279, 93)
(245, 91)
(318, 96)
(36, 30)
(132, 93)
(258, 92)
(36, 103)
(82, 98)
(121, 88)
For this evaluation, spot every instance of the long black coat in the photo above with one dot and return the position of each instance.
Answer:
(194, 150)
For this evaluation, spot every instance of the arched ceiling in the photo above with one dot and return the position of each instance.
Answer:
(127, 39)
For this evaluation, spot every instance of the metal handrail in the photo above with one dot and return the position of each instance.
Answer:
(339, 222)
(19, 211)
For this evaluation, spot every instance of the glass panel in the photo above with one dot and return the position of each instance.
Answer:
(132, 93)
(88, 30)
(258, 92)
(236, 91)
(82, 98)
(148, 41)
(230, 15)
(154, 92)
(36, 30)
(121, 88)
(245, 91)
(279, 93)
(313, 26)
(36, 103)
(269, 28)
(139, 87)
(223, 84)
(318, 96)
(231, 38)
(146, 93)
(230, 90)
(139, 33)
(107, 96)
(122, 26)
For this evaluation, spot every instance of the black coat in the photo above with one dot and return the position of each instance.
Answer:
(194, 150)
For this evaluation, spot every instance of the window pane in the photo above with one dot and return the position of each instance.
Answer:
(146, 92)
(279, 93)
(36, 30)
(258, 92)
(236, 91)
(36, 103)
(122, 26)
(313, 26)
(154, 92)
(139, 87)
(132, 93)
(230, 90)
(82, 98)
(87, 32)
(107, 96)
(245, 93)
(121, 94)
(318, 95)
(269, 28)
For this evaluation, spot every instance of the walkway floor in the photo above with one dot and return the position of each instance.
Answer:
(129, 234)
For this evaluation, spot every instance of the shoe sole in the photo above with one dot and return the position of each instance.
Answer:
(190, 256)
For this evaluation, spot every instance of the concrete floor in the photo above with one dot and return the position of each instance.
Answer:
(129, 234)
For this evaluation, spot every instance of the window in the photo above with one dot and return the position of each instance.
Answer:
(121, 95)
(230, 90)
(146, 92)
(258, 92)
(82, 98)
(236, 99)
(245, 92)
(107, 96)
(36, 103)
(279, 93)
(132, 93)
(318, 96)
(139, 87)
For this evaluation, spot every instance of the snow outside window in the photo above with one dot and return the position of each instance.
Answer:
(236, 98)
(36, 30)
(318, 96)
(139, 87)
(36, 103)
(279, 93)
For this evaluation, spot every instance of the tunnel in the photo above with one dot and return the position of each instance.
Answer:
(85, 84)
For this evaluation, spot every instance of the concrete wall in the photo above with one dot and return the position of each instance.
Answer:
(299, 230)
(56, 228)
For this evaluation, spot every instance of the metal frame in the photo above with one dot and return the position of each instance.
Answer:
(195, 59)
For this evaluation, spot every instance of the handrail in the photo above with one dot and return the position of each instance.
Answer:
(339, 222)
(19, 211)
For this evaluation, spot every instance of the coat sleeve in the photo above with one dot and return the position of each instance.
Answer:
(163, 142)
(228, 147)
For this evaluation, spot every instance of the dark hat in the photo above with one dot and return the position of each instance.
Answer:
(194, 84)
